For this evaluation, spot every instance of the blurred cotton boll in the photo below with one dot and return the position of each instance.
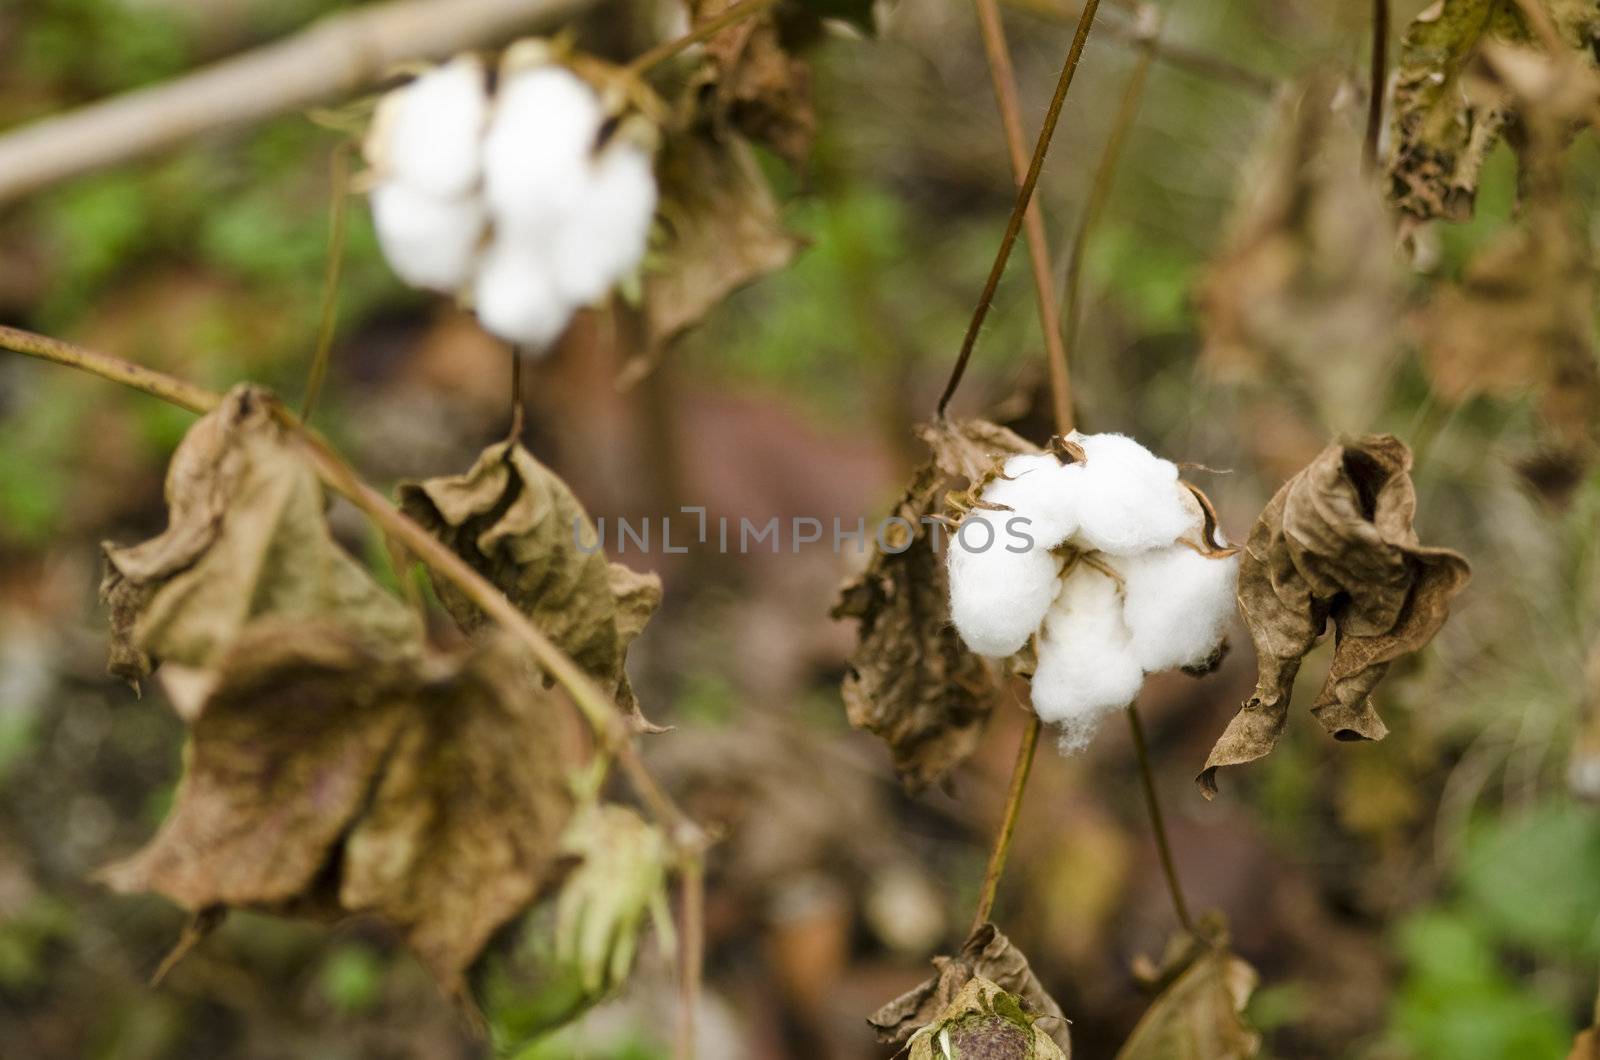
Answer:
(428, 134)
(536, 154)
(516, 298)
(604, 237)
(429, 242)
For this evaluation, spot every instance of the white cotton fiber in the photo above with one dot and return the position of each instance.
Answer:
(997, 597)
(1087, 666)
(536, 153)
(604, 238)
(1130, 500)
(431, 130)
(516, 299)
(1041, 489)
(1177, 604)
(430, 242)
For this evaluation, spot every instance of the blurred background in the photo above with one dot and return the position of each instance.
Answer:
(1436, 894)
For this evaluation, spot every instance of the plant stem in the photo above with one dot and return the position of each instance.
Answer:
(1024, 196)
(1375, 86)
(610, 727)
(1100, 190)
(1008, 822)
(516, 394)
(691, 956)
(1003, 76)
(339, 183)
(1157, 822)
(706, 30)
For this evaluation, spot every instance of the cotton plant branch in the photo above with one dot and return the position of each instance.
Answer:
(612, 729)
(1376, 83)
(331, 58)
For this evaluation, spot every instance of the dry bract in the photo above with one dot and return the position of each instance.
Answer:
(984, 1022)
(1199, 1012)
(756, 85)
(1336, 544)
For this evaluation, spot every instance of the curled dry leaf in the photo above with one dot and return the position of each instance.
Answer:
(1199, 1012)
(911, 679)
(1522, 317)
(322, 779)
(1336, 543)
(518, 525)
(1442, 132)
(755, 84)
(1309, 286)
(620, 877)
(722, 230)
(245, 539)
(984, 1022)
(989, 955)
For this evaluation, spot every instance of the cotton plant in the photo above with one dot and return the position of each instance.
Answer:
(529, 202)
(1099, 556)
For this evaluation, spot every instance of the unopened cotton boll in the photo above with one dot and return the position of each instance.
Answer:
(1039, 488)
(536, 154)
(604, 238)
(516, 298)
(1176, 603)
(427, 133)
(998, 596)
(430, 242)
(1087, 664)
(1130, 500)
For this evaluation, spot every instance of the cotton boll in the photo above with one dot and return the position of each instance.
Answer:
(1041, 489)
(427, 133)
(604, 237)
(1130, 500)
(516, 297)
(998, 597)
(1177, 604)
(536, 154)
(430, 242)
(1087, 665)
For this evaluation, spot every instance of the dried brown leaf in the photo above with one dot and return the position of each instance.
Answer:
(1199, 1013)
(723, 230)
(1336, 543)
(984, 1022)
(911, 679)
(1522, 318)
(1309, 287)
(755, 84)
(518, 525)
(1443, 131)
(987, 954)
(245, 539)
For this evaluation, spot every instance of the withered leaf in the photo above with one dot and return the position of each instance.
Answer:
(755, 84)
(1442, 132)
(245, 538)
(723, 230)
(1336, 543)
(321, 778)
(987, 954)
(984, 1022)
(1309, 286)
(1199, 1012)
(911, 679)
(518, 525)
(1522, 318)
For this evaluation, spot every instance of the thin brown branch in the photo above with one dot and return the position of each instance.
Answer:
(703, 32)
(1157, 823)
(1003, 76)
(1008, 821)
(331, 58)
(610, 726)
(691, 953)
(1376, 83)
(328, 318)
(1100, 191)
(1024, 195)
